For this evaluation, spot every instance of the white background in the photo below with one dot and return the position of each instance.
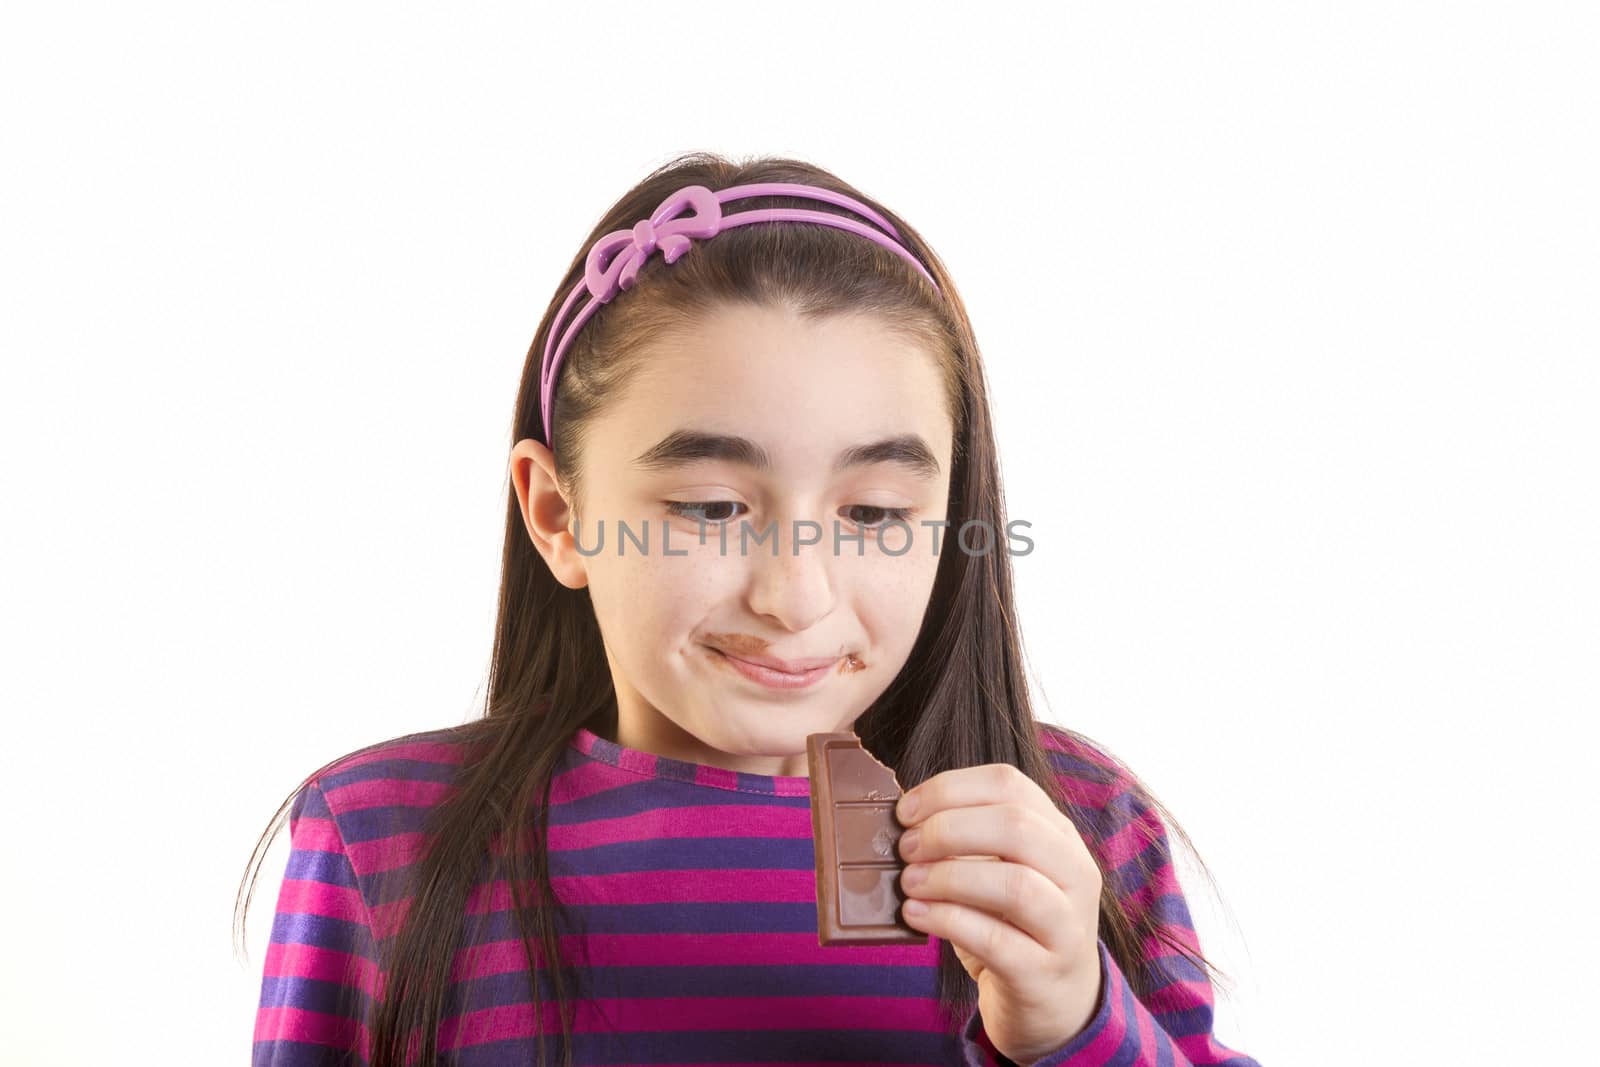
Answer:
(1289, 312)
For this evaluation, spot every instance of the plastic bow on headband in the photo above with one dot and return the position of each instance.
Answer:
(615, 259)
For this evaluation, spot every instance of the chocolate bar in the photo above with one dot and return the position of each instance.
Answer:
(857, 840)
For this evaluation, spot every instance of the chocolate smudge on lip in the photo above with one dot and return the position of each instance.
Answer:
(745, 645)
(739, 644)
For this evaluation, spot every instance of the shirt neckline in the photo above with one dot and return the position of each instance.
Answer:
(650, 765)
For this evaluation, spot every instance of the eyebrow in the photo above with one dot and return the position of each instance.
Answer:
(682, 447)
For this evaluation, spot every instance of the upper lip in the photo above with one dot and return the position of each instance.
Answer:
(787, 666)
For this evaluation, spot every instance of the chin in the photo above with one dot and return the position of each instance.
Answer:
(766, 732)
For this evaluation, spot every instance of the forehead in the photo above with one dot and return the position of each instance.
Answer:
(802, 389)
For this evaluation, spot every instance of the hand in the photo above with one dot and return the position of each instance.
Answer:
(1024, 927)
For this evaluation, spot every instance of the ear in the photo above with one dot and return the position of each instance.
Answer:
(545, 512)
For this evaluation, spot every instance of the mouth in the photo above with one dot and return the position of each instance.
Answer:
(794, 674)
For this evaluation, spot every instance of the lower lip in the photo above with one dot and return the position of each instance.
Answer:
(771, 678)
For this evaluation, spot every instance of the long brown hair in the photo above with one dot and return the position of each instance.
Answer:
(961, 699)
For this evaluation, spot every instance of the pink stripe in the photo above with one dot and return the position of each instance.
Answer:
(383, 792)
(1128, 842)
(675, 1014)
(692, 823)
(1157, 949)
(504, 957)
(782, 785)
(1162, 880)
(1095, 795)
(691, 950)
(587, 779)
(316, 1028)
(1141, 899)
(720, 777)
(322, 965)
(388, 917)
(1147, 1036)
(630, 759)
(1054, 740)
(747, 950)
(723, 885)
(386, 853)
(313, 834)
(1179, 996)
(697, 822)
(1203, 1048)
(632, 765)
(297, 896)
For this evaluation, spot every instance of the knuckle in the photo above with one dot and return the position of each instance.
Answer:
(997, 943)
(1018, 821)
(993, 940)
(1018, 890)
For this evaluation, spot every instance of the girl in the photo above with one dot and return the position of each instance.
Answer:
(723, 534)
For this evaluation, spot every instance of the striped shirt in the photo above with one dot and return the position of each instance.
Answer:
(694, 893)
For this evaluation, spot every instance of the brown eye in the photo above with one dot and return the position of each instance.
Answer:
(870, 515)
(687, 509)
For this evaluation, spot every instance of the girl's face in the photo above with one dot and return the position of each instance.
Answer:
(771, 433)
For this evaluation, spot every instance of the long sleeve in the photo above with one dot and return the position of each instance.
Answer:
(1171, 1024)
(320, 972)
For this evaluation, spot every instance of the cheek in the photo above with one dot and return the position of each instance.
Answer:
(655, 599)
(892, 595)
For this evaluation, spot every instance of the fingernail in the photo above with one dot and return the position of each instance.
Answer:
(908, 842)
(915, 875)
(908, 807)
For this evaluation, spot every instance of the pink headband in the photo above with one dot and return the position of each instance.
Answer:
(614, 260)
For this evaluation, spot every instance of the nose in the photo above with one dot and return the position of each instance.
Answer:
(796, 590)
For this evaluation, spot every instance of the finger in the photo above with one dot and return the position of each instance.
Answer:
(1011, 892)
(999, 945)
(1051, 846)
(990, 783)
